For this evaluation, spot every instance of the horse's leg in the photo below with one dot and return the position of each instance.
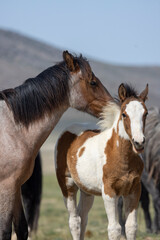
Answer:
(151, 188)
(131, 204)
(69, 190)
(158, 203)
(120, 214)
(7, 198)
(156, 217)
(31, 195)
(131, 221)
(145, 205)
(111, 206)
(19, 221)
(5, 222)
(74, 219)
(85, 204)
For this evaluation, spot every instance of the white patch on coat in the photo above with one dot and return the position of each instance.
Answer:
(111, 207)
(90, 163)
(75, 128)
(135, 111)
(74, 219)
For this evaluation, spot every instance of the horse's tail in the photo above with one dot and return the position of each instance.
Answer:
(31, 195)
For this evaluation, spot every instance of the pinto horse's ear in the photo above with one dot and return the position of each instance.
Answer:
(70, 61)
(144, 93)
(122, 92)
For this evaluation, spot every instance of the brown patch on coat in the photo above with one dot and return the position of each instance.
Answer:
(123, 168)
(144, 115)
(81, 151)
(134, 199)
(126, 120)
(72, 158)
(62, 169)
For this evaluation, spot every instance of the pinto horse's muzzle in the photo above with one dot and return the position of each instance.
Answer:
(139, 146)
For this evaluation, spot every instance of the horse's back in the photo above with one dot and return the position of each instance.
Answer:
(67, 137)
(78, 128)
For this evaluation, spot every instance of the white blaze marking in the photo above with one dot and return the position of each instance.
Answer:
(135, 111)
(122, 131)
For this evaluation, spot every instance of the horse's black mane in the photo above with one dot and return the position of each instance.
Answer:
(40, 95)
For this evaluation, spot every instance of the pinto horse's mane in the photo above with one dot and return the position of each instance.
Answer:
(112, 109)
(131, 92)
(108, 115)
(38, 96)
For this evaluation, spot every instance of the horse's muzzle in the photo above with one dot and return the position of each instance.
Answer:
(139, 146)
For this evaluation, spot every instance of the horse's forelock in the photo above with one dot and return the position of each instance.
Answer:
(83, 64)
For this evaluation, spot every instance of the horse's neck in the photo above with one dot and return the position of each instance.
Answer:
(118, 141)
(123, 144)
(37, 132)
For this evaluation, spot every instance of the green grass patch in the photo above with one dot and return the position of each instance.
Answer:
(53, 222)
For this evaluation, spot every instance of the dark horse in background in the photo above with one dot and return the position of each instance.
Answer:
(28, 114)
(31, 195)
(151, 174)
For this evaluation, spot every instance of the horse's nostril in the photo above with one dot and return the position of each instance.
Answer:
(136, 143)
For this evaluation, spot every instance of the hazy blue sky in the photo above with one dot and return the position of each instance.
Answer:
(117, 31)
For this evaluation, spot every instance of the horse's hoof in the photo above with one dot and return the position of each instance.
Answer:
(14, 237)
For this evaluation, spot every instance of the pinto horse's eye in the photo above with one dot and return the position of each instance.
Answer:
(123, 115)
(93, 83)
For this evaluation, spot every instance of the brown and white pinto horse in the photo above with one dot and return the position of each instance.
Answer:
(104, 163)
(28, 114)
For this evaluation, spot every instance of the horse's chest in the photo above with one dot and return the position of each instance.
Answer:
(126, 184)
(121, 183)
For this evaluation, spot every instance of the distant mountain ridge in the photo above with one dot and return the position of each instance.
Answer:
(22, 57)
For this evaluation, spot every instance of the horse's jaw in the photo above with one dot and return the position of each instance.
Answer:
(137, 151)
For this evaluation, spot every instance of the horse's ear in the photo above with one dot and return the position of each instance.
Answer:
(144, 93)
(122, 92)
(70, 61)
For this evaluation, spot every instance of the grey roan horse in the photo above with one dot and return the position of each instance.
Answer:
(151, 155)
(28, 114)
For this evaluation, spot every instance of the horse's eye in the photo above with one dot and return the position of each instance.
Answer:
(123, 115)
(93, 83)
